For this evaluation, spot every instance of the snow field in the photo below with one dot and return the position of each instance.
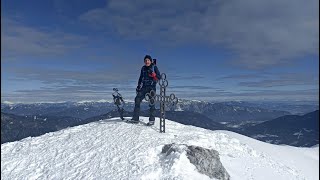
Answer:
(113, 149)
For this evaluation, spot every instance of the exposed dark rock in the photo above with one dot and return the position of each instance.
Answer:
(206, 161)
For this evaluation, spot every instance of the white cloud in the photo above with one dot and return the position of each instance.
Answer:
(19, 40)
(259, 33)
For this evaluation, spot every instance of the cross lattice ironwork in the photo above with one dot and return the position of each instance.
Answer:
(164, 100)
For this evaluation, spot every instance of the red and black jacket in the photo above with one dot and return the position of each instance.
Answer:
(149, 75)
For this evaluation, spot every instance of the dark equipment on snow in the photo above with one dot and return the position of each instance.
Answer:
(118, 101)
(152, 98)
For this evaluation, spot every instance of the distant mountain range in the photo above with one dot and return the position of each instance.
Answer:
(77, 110)
(14, 127)
(296, 108)
(266, 125)
(222, 112)
(293, 130)
(219, 112)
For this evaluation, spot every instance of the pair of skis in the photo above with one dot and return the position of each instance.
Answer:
(118, 101)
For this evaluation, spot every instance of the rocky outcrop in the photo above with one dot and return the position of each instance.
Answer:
(206, 161)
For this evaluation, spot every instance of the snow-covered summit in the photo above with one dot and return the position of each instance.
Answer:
(112, 149)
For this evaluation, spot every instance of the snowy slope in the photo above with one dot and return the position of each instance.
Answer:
(111, 149)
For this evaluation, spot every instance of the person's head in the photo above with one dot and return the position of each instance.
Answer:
(147, 60)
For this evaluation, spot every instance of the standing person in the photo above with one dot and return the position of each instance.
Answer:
(149, 76)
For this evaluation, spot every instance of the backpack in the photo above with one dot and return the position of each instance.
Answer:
(154, 63)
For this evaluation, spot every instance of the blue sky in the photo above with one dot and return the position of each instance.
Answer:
(217, 50)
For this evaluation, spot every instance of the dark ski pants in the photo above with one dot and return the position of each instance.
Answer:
(137, 101)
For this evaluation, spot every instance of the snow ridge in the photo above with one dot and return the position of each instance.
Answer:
(112, 149)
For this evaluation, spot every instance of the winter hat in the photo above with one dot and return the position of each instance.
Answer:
(147, 57)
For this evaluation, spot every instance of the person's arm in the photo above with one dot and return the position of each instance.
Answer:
(140, 78)
(158, 75)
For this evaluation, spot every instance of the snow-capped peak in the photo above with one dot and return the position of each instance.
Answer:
(93, 101)
(7, 102)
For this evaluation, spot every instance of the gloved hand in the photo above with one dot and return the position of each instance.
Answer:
(138, 89)
(154, 76)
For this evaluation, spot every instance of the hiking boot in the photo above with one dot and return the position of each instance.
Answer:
(135, 121)
(150, 123)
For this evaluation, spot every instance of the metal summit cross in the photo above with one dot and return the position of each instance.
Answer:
(152, 98)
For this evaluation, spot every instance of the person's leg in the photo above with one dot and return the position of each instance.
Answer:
(137, 102)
